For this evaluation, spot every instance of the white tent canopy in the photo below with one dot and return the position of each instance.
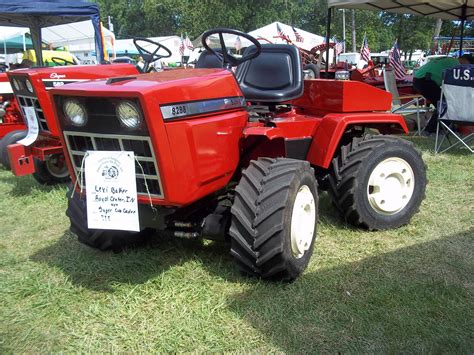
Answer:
(77, 36)
(270, 32)
(443, 9)
(12, 32)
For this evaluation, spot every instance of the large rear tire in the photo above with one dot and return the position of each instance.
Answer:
(10, 138)
(96, 238)
(51, 171)
(378, 182)
(274, 218)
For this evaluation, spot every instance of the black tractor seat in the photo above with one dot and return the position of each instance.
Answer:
(209, 60)
(275, 76)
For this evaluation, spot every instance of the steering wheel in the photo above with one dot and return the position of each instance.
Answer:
(227, 59)
(150, 56)
(61, 61)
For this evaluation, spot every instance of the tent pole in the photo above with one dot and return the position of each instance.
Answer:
(328, 33)
(35, 31)
(463, 20)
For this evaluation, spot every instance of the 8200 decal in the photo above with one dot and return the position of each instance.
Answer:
(178, 110)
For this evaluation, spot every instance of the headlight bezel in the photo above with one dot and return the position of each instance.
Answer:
(67, 115)
(16, 84)
(125, 121)
(29, 86)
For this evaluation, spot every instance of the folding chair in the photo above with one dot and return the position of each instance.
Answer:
(417, 103)
(456, 106)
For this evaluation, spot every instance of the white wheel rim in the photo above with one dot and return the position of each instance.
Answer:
(391, 186)
(303, 220)
(54, 170)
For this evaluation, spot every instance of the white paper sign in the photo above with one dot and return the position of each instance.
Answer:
(33, 128)
(111, 190)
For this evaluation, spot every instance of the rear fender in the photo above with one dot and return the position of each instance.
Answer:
(331, 130)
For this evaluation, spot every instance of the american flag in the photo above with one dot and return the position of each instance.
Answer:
(339, 46)
(188, 43)
(396, 62)
(365, 50)
(299, 38)
(181, 46)
(280, 31)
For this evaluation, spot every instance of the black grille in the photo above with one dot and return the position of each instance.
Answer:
(26, 101)
(146, 167)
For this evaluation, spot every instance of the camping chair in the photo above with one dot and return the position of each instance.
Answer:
(417, 103)
(456, 106)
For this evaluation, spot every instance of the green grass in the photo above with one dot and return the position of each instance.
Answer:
(408, 290)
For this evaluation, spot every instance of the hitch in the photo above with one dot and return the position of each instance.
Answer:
(21, 159)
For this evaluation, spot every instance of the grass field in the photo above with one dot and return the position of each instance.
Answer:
(408, 290)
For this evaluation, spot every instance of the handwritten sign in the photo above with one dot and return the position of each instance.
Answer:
(111, 190)
(33, 128)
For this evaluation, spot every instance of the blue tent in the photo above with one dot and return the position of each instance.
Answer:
(44, 13)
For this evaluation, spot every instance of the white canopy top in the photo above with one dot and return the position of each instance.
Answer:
(270, 31)
(444, 9)
(77, 36)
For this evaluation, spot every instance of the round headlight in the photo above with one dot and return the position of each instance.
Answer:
(16, 84)
(128, 114)
(75, 112)
(29, 87)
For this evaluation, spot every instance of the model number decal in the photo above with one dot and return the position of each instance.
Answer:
(181, 109)
(178, 110)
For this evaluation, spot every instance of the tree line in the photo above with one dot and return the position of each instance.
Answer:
(148, 18)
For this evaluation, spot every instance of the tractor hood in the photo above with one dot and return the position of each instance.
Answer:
(173, 86)
(60, 75)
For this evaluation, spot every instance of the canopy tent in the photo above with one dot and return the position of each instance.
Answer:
(14, 40)
(45, 13)
(270, 32)
(460, 10)
(77, 37)
(443, 9)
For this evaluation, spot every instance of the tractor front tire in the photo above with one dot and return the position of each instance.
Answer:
(51, 171)
(96, 238)
(377, 182)
(274, 218)
(10, 138)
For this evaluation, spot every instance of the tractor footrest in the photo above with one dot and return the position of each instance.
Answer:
(21, 160)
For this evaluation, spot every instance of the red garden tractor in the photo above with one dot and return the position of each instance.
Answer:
(239, 156)
(44, 158)
(11, 119)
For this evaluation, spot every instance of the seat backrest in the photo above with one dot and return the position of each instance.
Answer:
(274, 76)
(457, 94)
(391, 85)
(208, 60)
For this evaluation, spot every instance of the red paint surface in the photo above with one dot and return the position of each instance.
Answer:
(49, 141)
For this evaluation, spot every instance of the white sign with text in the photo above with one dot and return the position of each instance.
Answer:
(33, 128)
(111, 191)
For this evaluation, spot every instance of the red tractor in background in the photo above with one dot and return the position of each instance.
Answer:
(239, 156)
(11, 120)
(44, 158)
